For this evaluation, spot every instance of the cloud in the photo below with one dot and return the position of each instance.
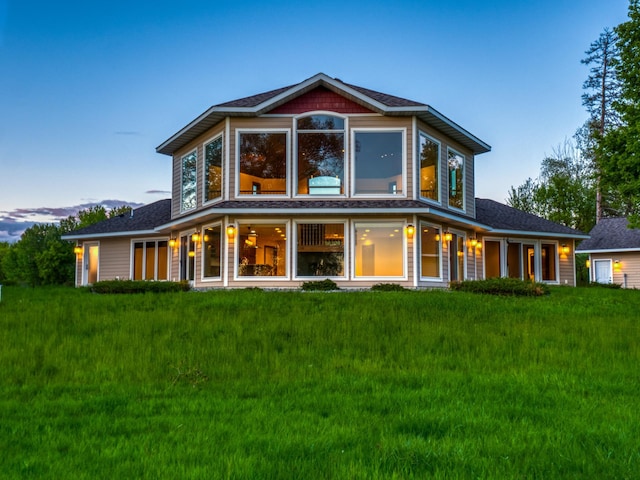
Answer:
(11, 231)
(158, 192)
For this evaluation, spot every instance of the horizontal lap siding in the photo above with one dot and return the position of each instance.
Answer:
(115, 257)
(629, 266)
(567, 263)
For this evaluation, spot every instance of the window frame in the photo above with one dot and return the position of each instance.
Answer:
(144, 242)
(556, 261)
(453, 151)
(238, 134)
(205, 183)
(195, 186)
(237, 250)
(202, 243)
(403, 161)
(295, 147)
(424, 278)
(421, 134)
(345, 248)
(397, 224)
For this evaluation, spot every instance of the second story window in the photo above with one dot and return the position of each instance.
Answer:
(188, 181)
(429, 158)
(379, 158)
(456, 179)
(320, 155)
(262, 163)
(213, 169)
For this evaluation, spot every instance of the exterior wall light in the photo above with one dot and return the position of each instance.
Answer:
(231, 231)
(448, 236)
(588, 264)
(411, 230)
(196, 237)
(473, 241)
(77, 249)
(172, 242)
(617, 265)
(192, 253)
(565, 249)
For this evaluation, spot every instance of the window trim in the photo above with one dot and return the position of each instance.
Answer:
(222, 256)
(183, 210)
(294, 153)
(352, 134)
(288, 181)
(423, 278)
(464, 181)
(503, 261)
(556, 261)
(437, 200)
(144, 240)
(220, 136)
(460, 234)
(400, 223)
(346, 249)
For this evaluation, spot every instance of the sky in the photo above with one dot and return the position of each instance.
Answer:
(89, 89)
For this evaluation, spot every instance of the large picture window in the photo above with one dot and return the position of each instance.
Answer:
(262, 250)
(211, 252)
(379, 250)
(378, 162)
(150, 260)
(213, 169)
(188, 181)
(320, 155)
(430, 251)
(320, 250)
(429, 156)
(456, 179)
(263, 163)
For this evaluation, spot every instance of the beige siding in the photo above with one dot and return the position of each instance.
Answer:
(567, 263)
(115, 259)
(627, 273)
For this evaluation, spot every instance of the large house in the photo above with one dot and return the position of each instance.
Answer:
(324, 179)
(614, 253)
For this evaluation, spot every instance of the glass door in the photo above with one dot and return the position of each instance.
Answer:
(187, 258)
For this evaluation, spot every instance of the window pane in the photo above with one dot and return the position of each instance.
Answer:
(163, 270)
(456, 258)
(263, 163)
(212, 251)
(379, 250)
(429, 160)
(548, 262)
(320, 250)
(378, 163)
(262, 250)
(188, 196)
(492, 260)
(456, 180)
(138, 256)
(320, 163)
(430, 251)
(150, 261)
(213, 169)
(321, 122)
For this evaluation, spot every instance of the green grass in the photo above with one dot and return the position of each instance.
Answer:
(291, 385)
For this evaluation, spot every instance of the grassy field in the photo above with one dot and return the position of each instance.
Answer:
(291, 385)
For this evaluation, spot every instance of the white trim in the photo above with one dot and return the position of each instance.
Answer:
(288, 180)
(418, 262)
(86, 257)
(535, 234)
(227, 159)
(593, 269)
(609, 250)
(90, 236)
(345, 248)
(405, 187)
(459, 234)
(206, 143)
(417, 176)
(555, 243)
(204, 279)
(144, 240)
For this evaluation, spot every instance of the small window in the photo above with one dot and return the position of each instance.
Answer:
(213, 170)
(150, 260)
(429, 155)
(430, 251)
(549, 262)
(188, 182)
(456, 180)
(263, 163)
(379, 162)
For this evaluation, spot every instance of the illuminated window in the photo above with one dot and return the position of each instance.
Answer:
(456, 179)
(379, 250)
(150, 260)
(211, 251)
(429, 155)
(262, 250)
(213, 169)
(320, 155)
(320, 250)
(430, 251)
(263, 163)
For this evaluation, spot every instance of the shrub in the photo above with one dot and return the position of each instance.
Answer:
(502, 286)
(605, 285)
(320, 285)
(387, 287)
(137, 286)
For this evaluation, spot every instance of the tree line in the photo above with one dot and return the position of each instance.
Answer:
(41, 257)
(597, 173)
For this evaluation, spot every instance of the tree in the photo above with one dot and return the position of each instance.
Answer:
(618, 152)
(602, 89)
(564, 192)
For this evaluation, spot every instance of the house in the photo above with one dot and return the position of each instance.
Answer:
(614, 253)
(323, 179)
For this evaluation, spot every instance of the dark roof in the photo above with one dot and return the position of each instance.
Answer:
(143, 219)
(503, 217)
(611, 234)
(262, 103)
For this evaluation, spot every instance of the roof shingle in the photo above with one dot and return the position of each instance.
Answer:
(611, 234)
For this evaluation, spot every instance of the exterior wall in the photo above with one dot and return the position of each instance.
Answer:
(115, 259)
(626, 273)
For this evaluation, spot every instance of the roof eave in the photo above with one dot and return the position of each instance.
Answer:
(90, 236)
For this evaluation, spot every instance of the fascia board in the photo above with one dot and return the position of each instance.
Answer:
(608, 250)
(89, 236)
(531, 233)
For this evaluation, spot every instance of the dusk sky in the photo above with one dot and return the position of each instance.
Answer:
(88, 89)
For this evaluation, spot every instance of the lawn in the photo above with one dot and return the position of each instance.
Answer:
(301, 385)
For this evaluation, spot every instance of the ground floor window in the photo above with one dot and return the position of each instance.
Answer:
(150, 260)
(456, 258)
(320, 250)
(262, 250)
(379, 249)
(211, 251)
(549, 262)
(430, 251)
(492, 259)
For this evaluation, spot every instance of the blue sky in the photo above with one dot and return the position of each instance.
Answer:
(88, 89)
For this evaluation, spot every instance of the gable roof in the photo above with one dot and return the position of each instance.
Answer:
(611, 234)
(504, 219)
(262, 103)
(142, 220)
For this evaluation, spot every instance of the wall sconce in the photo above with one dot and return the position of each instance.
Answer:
(192, 253)
(437, 237)
(473, 241)
(77, 249)
(411, 230)
(479, 246)
(565, 249)
(588, 264)
(231, 231)
(448, 236)
(172, 242)
(617, 265)
(196, 237)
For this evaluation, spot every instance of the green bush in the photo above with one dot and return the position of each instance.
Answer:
(137, 286)
(387, 287)
(320, 285)
(502, 286)
(605, 285)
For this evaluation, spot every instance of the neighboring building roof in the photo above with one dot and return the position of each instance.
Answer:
(611, 234)
(140, 220)
(262, 103)
(505, 219)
